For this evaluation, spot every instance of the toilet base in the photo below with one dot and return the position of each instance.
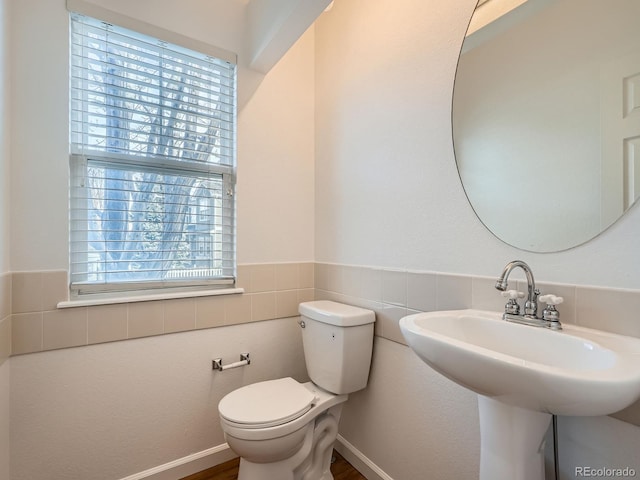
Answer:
(264, 471)
(311, 462)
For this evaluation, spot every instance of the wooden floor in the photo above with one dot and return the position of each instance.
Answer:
(341, 470)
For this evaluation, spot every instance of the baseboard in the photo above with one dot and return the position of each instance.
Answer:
(188, 465)
(359, 460)
(211, 457)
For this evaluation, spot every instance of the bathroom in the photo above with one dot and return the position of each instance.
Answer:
(348, 137)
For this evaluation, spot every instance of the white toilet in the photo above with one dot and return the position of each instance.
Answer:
(285, 430)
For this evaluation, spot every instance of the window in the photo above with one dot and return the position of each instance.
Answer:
(152, 143)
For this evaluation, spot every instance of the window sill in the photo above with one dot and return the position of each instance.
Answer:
(121, 298)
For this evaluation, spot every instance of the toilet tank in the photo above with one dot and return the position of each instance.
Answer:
(338, 342)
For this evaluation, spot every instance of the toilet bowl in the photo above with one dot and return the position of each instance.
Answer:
(278, 442)
(285, 430)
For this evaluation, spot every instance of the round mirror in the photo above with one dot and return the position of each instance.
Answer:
(546, 118)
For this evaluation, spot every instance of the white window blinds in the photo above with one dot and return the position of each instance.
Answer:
(152, 139)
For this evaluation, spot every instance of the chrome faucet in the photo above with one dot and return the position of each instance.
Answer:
(531, 305)
(550, 316)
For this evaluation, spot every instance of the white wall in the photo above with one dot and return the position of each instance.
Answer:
(528, 110)
(5, 419)
(596, 442)
(5, 189)
(39, 136)
(411, 421)
(271, 171)
(276, 163)
(388, 195)
(116, 409)
(5, 137)
(388, 192)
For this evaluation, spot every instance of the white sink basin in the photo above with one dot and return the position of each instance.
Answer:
(576, 371)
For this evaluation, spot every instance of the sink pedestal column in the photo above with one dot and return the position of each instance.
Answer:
(511, 441)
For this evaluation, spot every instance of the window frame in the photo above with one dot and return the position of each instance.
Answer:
(78, 161)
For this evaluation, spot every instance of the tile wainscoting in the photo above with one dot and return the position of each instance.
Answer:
(392, 294)
(35, 324)
(395, 293)
(5, 317)
(30, 321)
(29, 300)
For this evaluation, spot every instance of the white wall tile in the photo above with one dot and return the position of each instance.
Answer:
(613, 310)
(371, 284)
(485, 296)
(421, 291)
(454, 292)
(394, 287)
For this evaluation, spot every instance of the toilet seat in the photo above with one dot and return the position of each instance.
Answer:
(266, 404)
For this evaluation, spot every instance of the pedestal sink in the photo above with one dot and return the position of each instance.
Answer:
(523, 375)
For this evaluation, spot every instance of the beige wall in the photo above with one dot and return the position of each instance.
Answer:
(273, 291)
(435, 421)
(270, 171)
(5, 137)
(5, 293)
(549, 111)
(388, 192)
(5, 420)
(388, 195)
(118, 408)
(5, 316)
(270, 291)
(372, 116)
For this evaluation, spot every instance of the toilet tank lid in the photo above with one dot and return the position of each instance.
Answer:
(335, 313)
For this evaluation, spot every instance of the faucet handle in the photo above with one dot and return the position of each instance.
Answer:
(550, 314)
(550, 299)
(512, 294)
(512, 307)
